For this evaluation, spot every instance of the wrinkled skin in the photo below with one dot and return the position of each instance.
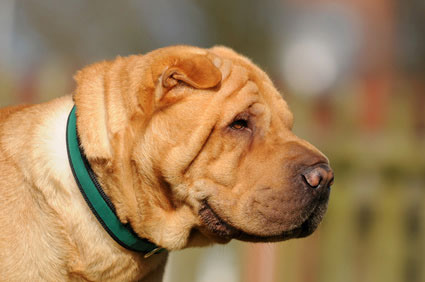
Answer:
(213, 155)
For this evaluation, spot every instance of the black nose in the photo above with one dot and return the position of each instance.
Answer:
(317, 176)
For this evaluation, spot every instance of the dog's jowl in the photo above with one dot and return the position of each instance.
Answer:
(152, 153)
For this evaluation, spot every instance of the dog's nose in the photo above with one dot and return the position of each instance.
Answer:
(317, 176)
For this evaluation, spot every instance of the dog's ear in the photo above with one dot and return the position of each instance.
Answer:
(197, 71)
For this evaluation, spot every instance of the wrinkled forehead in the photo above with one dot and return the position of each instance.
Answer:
(244, 81)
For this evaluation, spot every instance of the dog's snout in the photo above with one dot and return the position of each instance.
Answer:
(318, 176)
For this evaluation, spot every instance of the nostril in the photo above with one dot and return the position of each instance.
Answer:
(313, 178)
(318, 176)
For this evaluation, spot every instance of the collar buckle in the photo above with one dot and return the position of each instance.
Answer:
(153, 252)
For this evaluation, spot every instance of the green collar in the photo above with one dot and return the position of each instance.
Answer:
(99, 203)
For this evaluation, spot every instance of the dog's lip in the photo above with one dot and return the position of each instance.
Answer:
(215, 225)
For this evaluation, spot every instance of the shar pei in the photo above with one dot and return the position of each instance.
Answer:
(151, 153)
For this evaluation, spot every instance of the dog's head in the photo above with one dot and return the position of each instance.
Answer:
(192, 143)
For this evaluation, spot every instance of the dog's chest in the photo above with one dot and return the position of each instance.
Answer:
(114, 266)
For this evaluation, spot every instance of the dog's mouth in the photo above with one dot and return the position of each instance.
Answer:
(223, 232)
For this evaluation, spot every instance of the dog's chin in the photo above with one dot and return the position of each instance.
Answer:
(220, 231)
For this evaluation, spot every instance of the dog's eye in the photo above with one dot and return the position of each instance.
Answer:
(239, 124)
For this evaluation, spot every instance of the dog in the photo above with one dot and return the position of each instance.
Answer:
(152, 153)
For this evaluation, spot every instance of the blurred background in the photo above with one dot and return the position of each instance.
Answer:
(353, 73)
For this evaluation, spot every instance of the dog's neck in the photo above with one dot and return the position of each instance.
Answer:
(97, 200)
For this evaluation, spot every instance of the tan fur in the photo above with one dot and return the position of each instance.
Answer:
(155, 130)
